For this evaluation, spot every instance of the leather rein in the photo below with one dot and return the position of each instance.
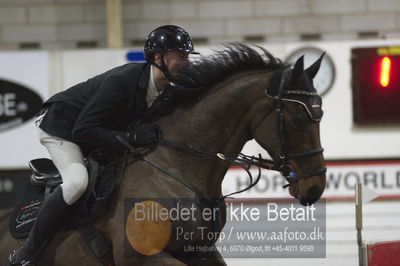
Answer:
(244, 161)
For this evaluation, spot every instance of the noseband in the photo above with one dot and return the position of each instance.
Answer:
(281, 164)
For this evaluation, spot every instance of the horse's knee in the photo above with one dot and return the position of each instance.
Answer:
(75, 181)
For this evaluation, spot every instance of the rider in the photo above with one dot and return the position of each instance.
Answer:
(92, 114)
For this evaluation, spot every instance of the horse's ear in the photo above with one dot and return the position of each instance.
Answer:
(297, 69)
(313, 69)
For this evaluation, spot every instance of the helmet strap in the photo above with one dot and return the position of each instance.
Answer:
(163, 68)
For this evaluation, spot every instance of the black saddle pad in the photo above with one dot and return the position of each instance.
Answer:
(86, 208)
(26, 211)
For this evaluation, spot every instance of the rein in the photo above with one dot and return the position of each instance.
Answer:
(244, 161)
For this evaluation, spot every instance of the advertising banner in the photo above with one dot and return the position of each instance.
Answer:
(381, 176)
(24, 85)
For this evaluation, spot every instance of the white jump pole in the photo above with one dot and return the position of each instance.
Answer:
(363, 195)
(359, 223)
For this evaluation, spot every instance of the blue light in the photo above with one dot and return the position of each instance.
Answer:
(135, 56)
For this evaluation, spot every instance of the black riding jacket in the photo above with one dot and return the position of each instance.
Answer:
(93, 113)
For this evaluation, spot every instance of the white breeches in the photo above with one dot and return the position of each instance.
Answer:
(68, 159)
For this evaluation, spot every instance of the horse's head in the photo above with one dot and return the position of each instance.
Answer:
(286, 124)
(260, 98)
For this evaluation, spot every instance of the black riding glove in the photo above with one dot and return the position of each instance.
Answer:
(143, 135)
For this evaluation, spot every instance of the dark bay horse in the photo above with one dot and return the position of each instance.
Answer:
(247, 96)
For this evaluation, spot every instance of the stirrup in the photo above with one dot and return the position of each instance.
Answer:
(18, 263)
(22, 263)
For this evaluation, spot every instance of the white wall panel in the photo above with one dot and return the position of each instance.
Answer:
(20, 144)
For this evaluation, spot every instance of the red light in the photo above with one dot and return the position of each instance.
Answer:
(385, 71)
(376, 87)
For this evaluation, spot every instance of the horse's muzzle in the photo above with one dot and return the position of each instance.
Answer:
(313, 194)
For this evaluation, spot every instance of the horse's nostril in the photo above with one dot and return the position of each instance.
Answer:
(308, 201)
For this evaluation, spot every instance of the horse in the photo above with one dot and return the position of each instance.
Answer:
(246, 93)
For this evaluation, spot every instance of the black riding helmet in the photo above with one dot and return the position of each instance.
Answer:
(167, 38)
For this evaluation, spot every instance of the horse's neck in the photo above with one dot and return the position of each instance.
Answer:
(215, 124)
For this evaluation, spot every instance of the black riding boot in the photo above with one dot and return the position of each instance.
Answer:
(51, 215)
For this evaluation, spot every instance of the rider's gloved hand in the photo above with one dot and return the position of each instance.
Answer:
(143, 135)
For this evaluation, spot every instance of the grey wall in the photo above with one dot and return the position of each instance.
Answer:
(81, 23)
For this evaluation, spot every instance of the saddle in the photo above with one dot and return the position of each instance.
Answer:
(45, 178)
(103, 181)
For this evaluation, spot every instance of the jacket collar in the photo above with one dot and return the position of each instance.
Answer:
(141, 104)
(144, 79)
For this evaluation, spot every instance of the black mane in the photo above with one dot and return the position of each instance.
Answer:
(196, 80)
(236, 57)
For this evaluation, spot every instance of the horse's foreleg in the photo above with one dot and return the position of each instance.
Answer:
(68, 248)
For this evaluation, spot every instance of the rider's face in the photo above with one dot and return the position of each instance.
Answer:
(176, 61)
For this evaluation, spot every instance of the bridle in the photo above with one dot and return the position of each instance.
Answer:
(281, 164)
(244, 161)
